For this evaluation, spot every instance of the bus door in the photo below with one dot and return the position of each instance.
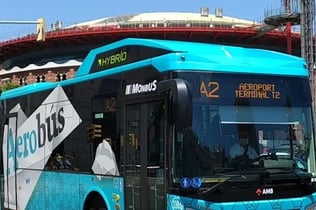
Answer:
(143, 160)
(9, 133)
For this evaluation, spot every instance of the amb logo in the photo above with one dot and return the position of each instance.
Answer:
(264, 191)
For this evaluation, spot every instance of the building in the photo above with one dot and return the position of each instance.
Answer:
(25, 60)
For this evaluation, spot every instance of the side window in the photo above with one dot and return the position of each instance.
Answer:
(73, 152)
(77, 152)
(155, 152)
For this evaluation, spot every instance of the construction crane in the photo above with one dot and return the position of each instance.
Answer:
(295, 12)
(307, 23)
(40, 26)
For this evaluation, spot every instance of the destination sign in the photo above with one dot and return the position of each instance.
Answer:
(211, 89)
(257, 90)
(261, 90)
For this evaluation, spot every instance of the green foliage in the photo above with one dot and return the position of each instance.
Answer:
(8, 86)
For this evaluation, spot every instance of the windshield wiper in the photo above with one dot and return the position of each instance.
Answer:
(216, 186)
(304, 179)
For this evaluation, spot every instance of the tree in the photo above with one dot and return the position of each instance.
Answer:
(8, 86)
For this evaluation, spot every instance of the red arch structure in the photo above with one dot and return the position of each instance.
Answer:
(95, 36)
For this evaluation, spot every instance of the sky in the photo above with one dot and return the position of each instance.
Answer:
(76, 11)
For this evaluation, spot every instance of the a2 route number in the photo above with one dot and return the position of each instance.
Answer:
(210, 89)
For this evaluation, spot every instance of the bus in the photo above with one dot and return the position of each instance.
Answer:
(148, 124)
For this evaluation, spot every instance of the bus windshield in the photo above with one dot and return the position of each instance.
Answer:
(245, 123)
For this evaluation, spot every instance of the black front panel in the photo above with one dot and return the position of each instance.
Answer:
(245, 89)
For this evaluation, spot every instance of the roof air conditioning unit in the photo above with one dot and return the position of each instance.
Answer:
(204, 11)
(58, 24)
(219, 12)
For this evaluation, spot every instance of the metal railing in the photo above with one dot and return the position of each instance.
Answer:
(234, 23)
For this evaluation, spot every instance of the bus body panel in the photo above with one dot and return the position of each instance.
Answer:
(55, 190)
(116, 87)
(181, 203)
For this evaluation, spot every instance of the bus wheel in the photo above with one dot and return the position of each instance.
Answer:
(95, 202)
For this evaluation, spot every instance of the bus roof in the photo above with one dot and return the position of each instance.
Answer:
(197, 56)
(167, 55)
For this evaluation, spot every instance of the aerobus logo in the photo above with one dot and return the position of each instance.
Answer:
(137, 88)
(29, 141)
(41, 132)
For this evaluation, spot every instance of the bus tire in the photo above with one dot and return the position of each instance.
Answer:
(95, 202)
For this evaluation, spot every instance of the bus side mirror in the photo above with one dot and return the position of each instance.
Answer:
(181, 94)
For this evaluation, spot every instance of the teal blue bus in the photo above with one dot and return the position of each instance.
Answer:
(150, 124)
